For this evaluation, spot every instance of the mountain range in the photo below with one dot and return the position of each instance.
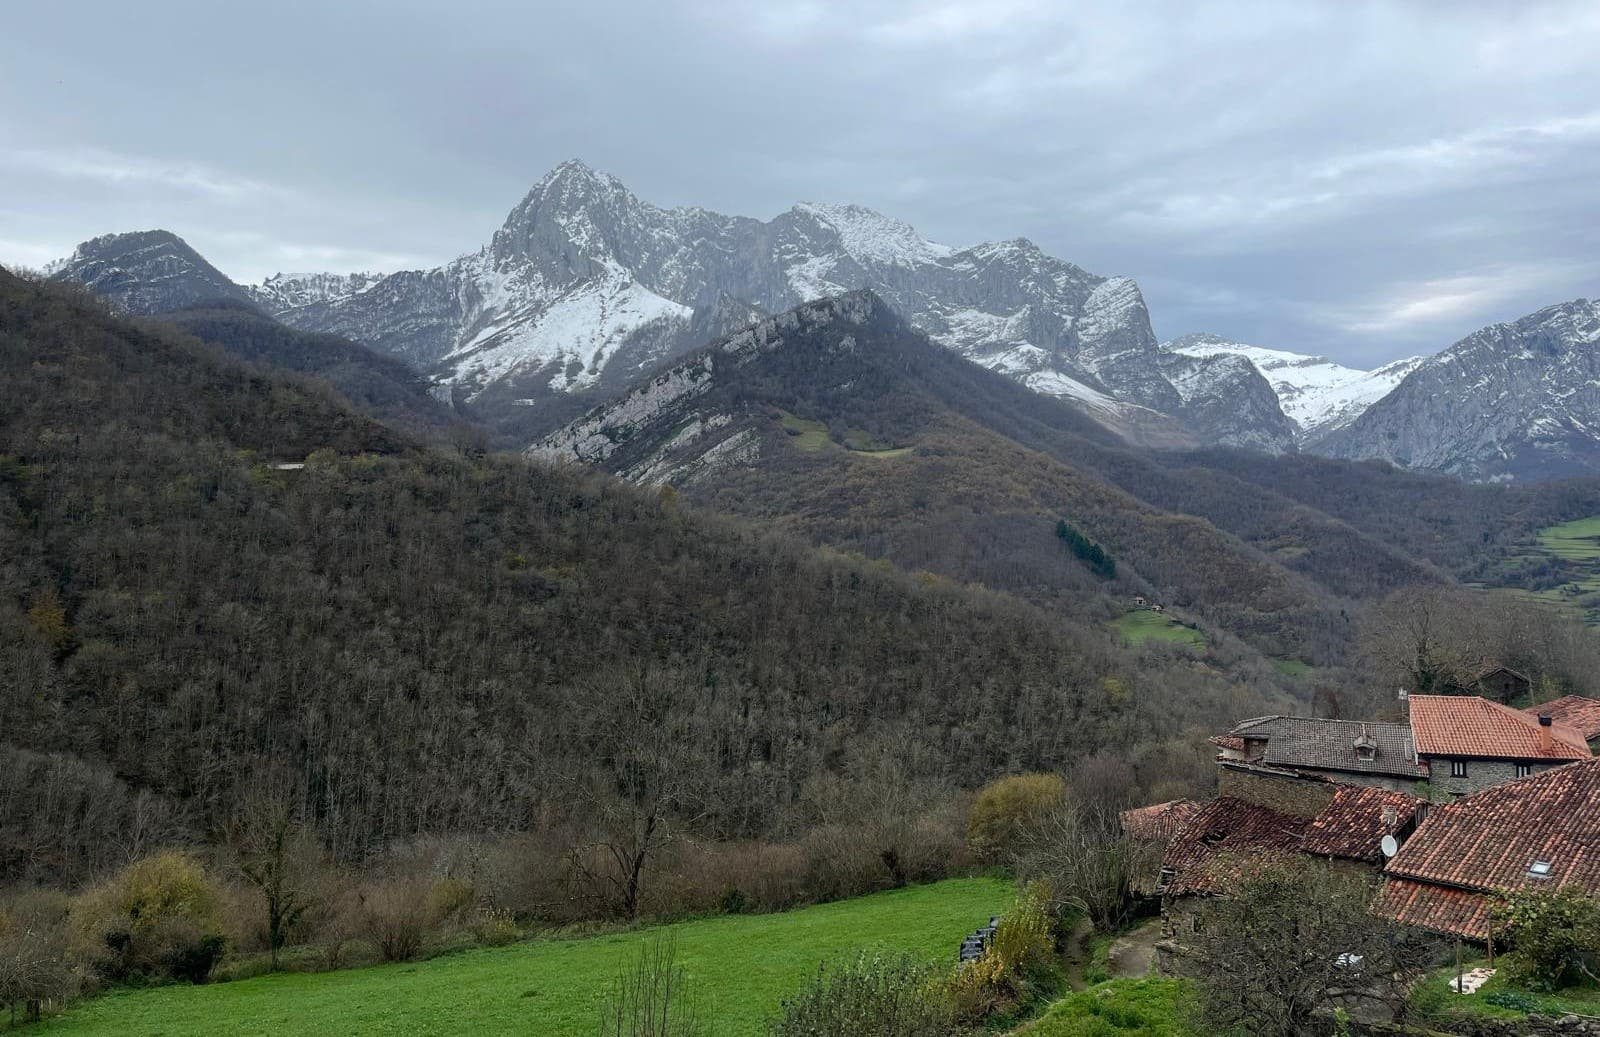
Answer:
(585, 288)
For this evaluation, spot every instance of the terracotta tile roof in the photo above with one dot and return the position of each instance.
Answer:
(1488, 840)
(1466, 725)
(1224, 842)
(1354, 824)
(1579, 713)
(1233, 742)
(1159, 821)
(1440, 909)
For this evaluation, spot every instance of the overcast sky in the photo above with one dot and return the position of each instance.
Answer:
(1361, 180)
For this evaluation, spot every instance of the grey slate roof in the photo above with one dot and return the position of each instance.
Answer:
(1331, 745)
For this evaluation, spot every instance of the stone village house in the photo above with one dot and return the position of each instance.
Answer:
(1450, 745)
(1291, 790)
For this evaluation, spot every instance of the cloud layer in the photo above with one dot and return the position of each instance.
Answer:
(1364, 180)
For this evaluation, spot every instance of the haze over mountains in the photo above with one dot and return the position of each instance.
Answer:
(585, 287)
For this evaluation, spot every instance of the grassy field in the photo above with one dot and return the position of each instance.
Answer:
(1292, 667)
(741, 965)
(1142, 625)
(812, 437)
(1120, 1008)
(1434, 998)
(1577, 544)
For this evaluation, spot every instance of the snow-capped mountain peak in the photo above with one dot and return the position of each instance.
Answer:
(869, 236)
(1316, 393)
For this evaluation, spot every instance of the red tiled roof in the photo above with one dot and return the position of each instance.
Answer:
(1233, 742)
(1466, 725)
(1225, 842)
(1440, 909)
(1488, 840)
(1159, 821)
(1354, 824)
(1579, 713)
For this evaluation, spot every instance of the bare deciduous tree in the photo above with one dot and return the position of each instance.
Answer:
(647, 781)
(279, 857)
(1290, 943)
(1090, 863)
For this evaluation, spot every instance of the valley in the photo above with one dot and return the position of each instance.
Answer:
(799, 519)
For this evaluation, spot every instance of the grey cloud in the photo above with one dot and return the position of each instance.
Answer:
(1365, 181)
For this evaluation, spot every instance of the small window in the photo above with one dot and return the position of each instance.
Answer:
(1524, 769)
(1366, 753)
(1539, 870)
(1458, 768)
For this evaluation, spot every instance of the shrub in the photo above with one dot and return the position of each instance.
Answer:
(398, 915)
(495, 927)
(874, 995)
(653, 998)
(1557, 937)
(1019, 960)
(1512, 999)
(158, 918)
(1006, 807)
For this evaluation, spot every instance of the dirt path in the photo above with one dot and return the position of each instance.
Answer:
(1134, 954)
(1076, 956)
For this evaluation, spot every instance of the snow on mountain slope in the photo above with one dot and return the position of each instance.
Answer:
(503, 322)
(286, 291)
(146, 272)
(1518, 400)
(585, 286)
(1318, 395)
(575, 335)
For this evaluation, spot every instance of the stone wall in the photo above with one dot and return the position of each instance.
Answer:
(1480, 775)
(1530, 1026)
(1287, 794)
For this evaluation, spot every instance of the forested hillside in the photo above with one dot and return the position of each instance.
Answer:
(405, 640)
(860, 433)
(377, 385)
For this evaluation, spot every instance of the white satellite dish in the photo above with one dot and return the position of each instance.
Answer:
(1389, 846)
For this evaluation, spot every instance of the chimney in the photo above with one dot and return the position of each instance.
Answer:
(1421, 813)
(1546, 742)
(1545, 720)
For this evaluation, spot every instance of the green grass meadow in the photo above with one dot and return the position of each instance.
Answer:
(1143, 625)
(742, 967)
(812, 437)
(1121, 1008)
(1577, 544)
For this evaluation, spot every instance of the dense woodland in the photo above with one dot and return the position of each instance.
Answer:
(412, 641)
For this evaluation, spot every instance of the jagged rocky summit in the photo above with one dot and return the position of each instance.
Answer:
(586, 286)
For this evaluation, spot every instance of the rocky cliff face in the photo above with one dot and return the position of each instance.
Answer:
(585, 286)
(147, 272)
(1317, 395)
(664, 429)
(1519, 400)
(1225, 399)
